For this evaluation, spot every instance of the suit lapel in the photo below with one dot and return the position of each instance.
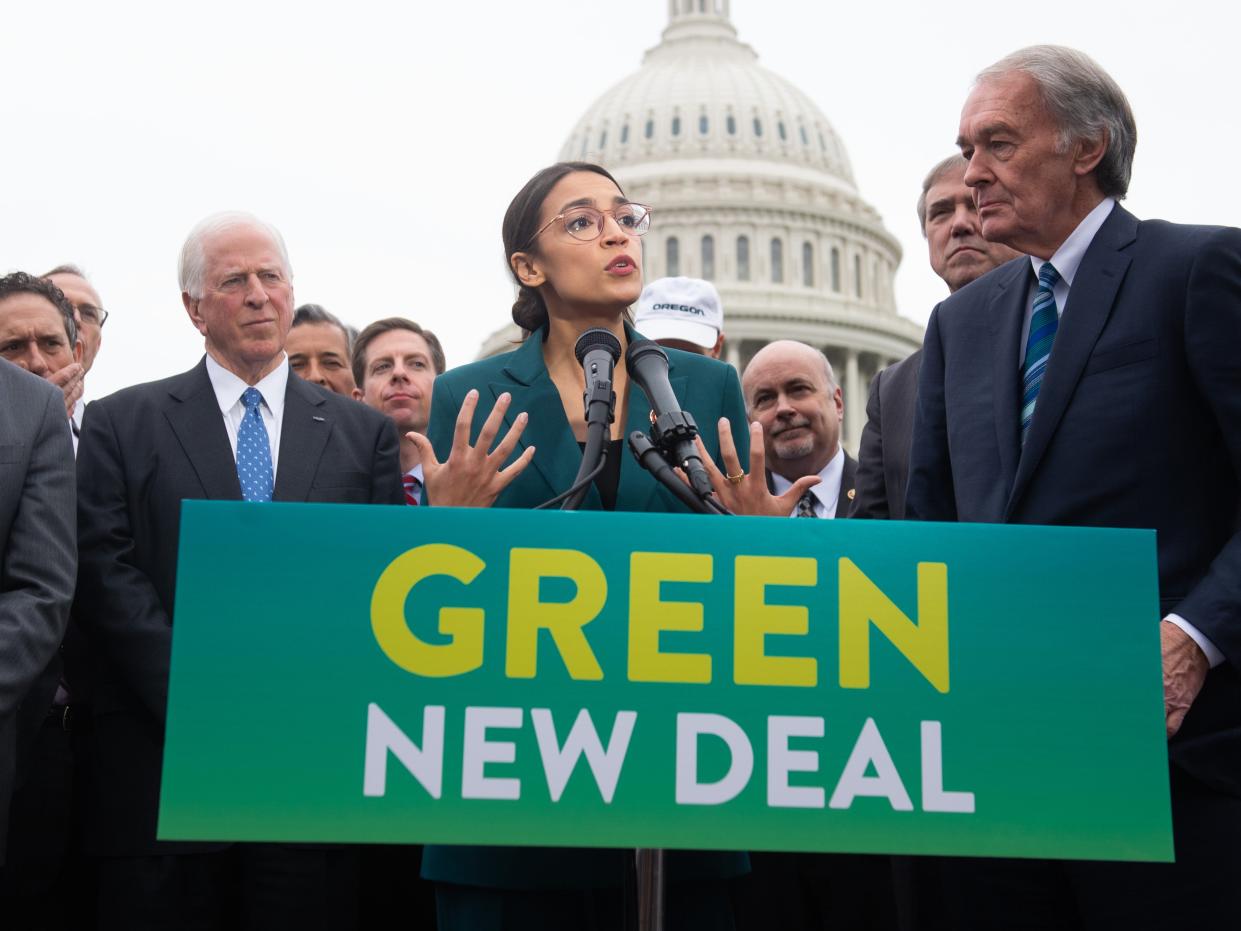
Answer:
(194, 416)
(844, 498)
(1007, 314)
(303, 435)
(1087, 309)
(547, 429)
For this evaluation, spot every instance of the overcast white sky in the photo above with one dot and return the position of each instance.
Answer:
(386, 139)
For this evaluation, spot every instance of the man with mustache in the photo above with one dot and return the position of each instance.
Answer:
(959, 255)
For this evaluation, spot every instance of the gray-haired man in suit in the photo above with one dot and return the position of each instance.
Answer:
(236, 426)
(38, 546)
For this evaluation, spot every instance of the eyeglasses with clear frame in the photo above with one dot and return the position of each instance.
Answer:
(585, 224)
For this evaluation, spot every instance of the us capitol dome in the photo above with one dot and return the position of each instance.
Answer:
(752, 189)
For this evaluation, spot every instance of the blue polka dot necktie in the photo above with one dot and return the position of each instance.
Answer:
(1043, 325)
(253, 451)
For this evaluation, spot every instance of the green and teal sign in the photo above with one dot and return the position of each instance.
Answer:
(427, 675)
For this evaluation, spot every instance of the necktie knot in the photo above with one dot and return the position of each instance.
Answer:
(1048, 277)
(251, 398)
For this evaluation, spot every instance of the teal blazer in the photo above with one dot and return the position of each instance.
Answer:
(708, 389)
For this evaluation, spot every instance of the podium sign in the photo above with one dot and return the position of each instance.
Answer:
(426, 675)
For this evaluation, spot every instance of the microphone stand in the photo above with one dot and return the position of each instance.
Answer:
(597, 351)
(669, 445)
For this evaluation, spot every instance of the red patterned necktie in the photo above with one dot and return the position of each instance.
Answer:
(413, 488)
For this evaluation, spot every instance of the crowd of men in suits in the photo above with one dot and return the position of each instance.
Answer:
(1083, 363)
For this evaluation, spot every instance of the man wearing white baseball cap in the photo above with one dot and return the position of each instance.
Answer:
(683, 313)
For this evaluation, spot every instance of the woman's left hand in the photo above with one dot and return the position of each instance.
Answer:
(747, 492)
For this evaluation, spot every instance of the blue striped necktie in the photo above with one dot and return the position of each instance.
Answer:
(254, 469)
(1043, 325)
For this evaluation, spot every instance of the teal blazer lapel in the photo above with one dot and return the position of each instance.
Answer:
(195, 420)
(1082, 319)
(303, 436)
(547, 430)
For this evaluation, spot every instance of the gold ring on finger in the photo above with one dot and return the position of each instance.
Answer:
(735, 479)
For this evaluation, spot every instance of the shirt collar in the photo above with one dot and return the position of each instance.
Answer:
(229, 388)
(828, 490)
(416, 472)
(1071, 252)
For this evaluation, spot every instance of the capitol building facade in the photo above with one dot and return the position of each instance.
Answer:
(752, 189)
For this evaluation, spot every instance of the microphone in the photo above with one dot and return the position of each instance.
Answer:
(672, 429)
(598, 351)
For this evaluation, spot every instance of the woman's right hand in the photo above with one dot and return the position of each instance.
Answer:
(471, 477)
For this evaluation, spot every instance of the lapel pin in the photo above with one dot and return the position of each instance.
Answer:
(850, 494)
(318, 418)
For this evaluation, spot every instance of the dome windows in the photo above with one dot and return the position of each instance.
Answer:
(624, 134)
(777, 261)
(857, 276)
(672, 257)
(743, 258)
(784, 136)
(703, 124)
(807, 265)
(835, 269)
(676, 125)
(650, 128)
(731, 125)
(708, 257)
(805, 140)
(603, 140)
(758, 127)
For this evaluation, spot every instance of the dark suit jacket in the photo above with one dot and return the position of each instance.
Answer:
(38, 548)
(848, 484)
(142, 452)
(883, 455)
(707, 389)
(1142, 397)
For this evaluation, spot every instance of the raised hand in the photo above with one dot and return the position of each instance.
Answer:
(70, 380)
(471, 476)
(746, 492)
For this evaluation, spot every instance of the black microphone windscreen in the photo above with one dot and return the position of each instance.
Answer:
(597, 338)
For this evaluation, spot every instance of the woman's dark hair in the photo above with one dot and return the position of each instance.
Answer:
(521, 222)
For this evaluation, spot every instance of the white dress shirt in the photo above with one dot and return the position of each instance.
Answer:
(1066, 261)
(826, 493)
(75, 423)
(228, 391)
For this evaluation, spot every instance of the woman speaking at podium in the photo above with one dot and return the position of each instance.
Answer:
(572, 240)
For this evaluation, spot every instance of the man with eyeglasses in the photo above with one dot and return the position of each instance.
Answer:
(90, 317)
